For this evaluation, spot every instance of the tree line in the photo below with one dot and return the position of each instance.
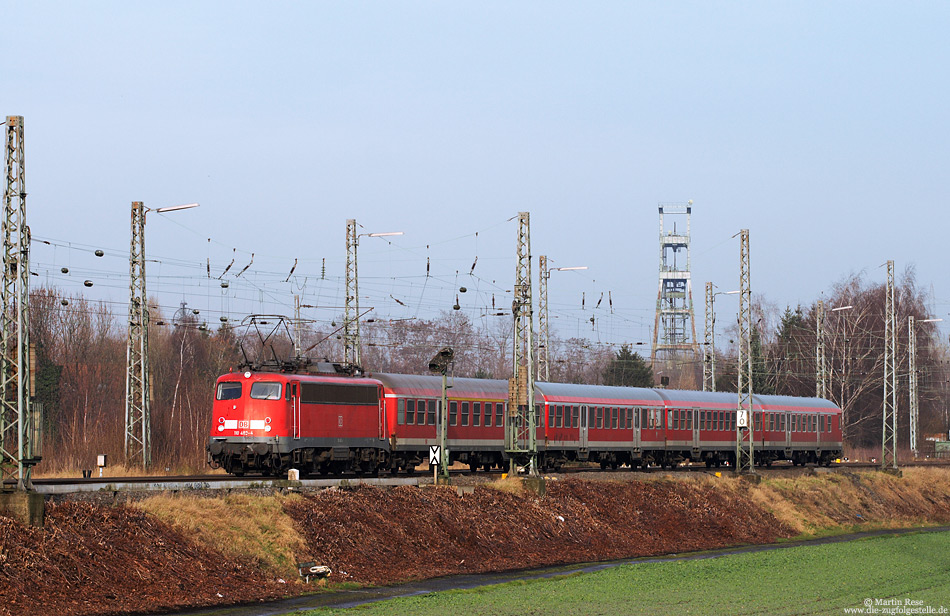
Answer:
(81, 361)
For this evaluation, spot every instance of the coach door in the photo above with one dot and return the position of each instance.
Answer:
(295, 408)
(582, 437)
(695, 423)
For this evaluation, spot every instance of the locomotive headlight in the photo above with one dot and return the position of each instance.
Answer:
(221, 428)
(267, 420)
(267, 428)
(221, 420)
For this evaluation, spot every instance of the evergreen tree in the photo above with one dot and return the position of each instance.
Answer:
(628, 369)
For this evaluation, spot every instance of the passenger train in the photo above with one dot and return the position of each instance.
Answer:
(325, 422)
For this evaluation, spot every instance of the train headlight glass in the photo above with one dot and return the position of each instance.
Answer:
(267, 428)
(221, 428)
(267, 420)
(221, 420)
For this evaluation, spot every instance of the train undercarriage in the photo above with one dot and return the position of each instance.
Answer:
(240, 459)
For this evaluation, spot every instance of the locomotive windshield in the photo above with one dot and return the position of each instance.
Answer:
(263, 390)
(229, 390)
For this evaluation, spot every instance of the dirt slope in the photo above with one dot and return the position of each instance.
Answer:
(94, 560)
(378, 537)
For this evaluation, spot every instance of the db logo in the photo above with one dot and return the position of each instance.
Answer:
(244, 424)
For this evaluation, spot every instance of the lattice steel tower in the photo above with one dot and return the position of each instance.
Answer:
(674, 330)
(351, 314)
(520, 434)
(745, 421)
(19, 426)
(889, 429)
(138, 418)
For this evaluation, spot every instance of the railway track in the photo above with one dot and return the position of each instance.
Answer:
(67, 485)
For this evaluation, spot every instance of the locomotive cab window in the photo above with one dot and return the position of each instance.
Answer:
(228, 390)
(265, 390)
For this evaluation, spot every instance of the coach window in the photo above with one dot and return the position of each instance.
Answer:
(551, 408)
(499, 414)
(575, 416)
(732, 421)
(400, 411)
(453, 412)
(689, 419)
(432, 407)
(465, 413)
(613, 418)
(421, 413)
(229, 391)
(636, 418)
(591, 416)
(821, 423)
(600, 418)
(488, 411)
(410, 412)
(558, 416)
(757, 421)
(476, 414)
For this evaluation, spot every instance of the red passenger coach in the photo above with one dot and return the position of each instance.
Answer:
(476, 432)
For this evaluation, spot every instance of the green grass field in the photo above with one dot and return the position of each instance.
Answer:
(817, 579)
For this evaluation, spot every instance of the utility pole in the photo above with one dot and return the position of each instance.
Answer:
(20, 429)
(351, 314)
(138, 392)
(709, 349)
(544, 369)
(820, 369)
(745, 438)
(138, 421)
(889, 428)
(520, 432)
(912, 385)
(297, 326)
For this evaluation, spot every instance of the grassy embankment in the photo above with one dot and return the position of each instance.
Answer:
(818, 579)
(258, 529)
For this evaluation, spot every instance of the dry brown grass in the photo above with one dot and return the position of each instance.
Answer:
(816, 504)
(120, 470)
(243, 526)
(511, 485)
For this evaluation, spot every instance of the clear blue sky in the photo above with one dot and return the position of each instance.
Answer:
(821, 127)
